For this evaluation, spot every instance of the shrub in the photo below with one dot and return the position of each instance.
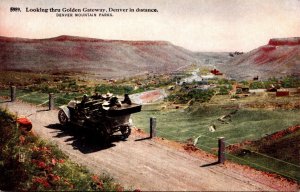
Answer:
(196, 94)
(224, 89)
(290, 82)
(115, 89)
(257, 85)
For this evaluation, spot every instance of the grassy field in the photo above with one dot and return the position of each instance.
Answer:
(38, 97)
(246, 124)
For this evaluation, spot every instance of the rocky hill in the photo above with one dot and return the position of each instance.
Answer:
(280, 57)
(106, 58)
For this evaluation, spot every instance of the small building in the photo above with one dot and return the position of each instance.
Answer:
(208, 76)
(257, 90)
(282, 93)
(216, 72)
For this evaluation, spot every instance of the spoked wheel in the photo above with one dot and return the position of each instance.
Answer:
(62, 117)
(126, 131)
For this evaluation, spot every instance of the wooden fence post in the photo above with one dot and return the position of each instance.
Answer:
(221, 151)
(152, 127)
(13, 93)
(51, 101)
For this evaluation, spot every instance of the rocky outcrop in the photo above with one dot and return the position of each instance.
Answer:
(285, 41)
(280, 57)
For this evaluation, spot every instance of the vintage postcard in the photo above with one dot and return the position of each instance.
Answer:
(150, 95)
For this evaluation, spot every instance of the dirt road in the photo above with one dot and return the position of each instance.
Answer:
(151, 165)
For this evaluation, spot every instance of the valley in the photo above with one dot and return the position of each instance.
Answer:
(196, 98)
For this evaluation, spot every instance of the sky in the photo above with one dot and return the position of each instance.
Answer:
(197, 25)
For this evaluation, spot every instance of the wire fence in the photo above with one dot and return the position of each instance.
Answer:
(188, 130)
(215, 139)
(268, 163)
(202, 138)
(38, 97)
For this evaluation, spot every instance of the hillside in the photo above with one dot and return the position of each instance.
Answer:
(282, 145)
(106, 58)
(280, 57)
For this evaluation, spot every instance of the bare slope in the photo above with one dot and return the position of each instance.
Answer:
(280, 57)
(107, 58)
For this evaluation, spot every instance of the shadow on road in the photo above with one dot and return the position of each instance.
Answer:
(7, 101)
(210, 164)
(42, 110)
(82, 140)
(142, 139)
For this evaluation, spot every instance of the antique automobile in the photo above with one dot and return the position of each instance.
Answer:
(100, 115)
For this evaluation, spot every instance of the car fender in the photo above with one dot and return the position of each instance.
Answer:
(66, 111)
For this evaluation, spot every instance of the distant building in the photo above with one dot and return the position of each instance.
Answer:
(193, 78)
(206, 77)
(257, 90)
(282, 93)
(216, 72)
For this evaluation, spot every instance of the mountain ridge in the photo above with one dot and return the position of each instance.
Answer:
(63, 38)
(123, 58)
(108, 58)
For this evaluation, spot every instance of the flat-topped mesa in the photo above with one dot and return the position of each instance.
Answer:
(73, 38)
(83, 39)
(292, 41)
(66, 38)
